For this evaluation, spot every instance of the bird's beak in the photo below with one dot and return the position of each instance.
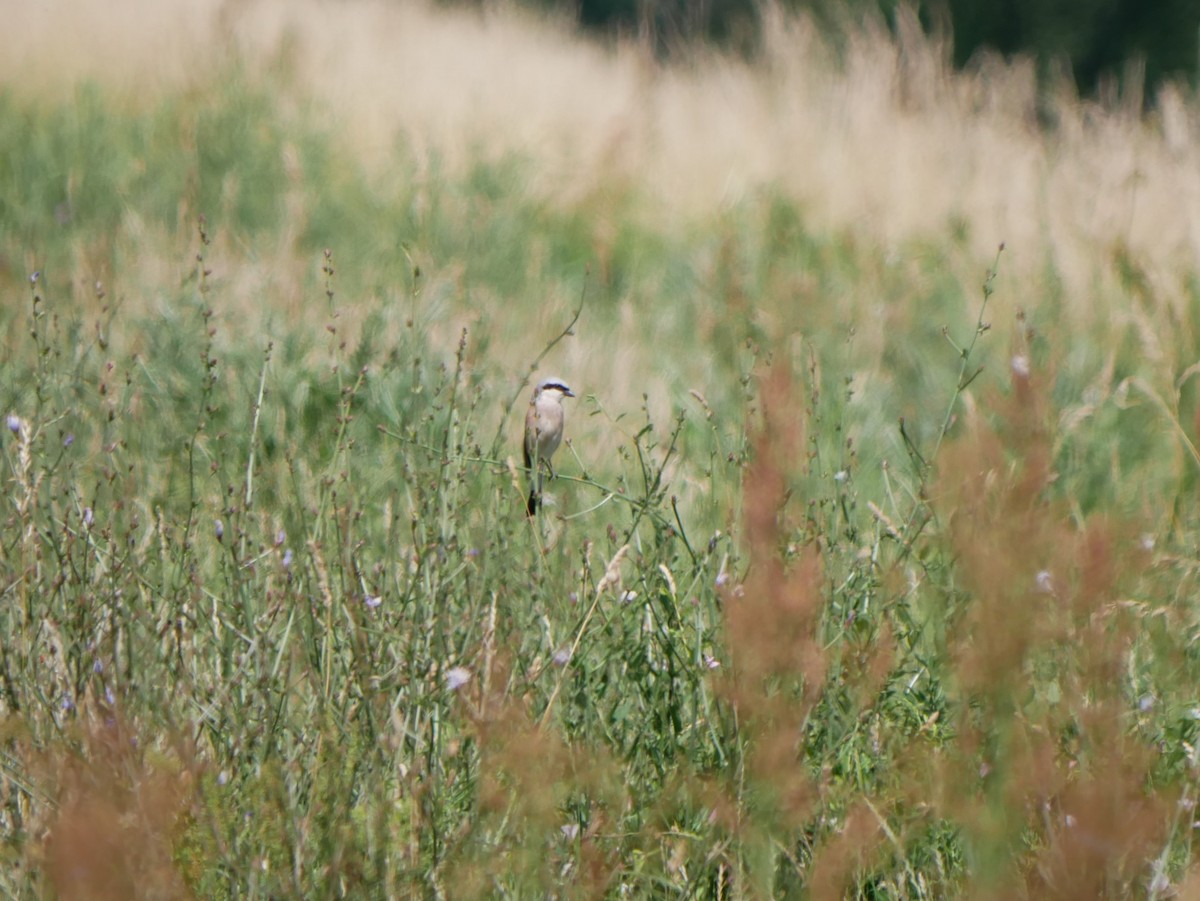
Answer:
(567, 392)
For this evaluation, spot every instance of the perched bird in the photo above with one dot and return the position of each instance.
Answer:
(543, 433)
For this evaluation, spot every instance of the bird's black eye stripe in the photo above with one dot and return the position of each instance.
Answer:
(557, 385)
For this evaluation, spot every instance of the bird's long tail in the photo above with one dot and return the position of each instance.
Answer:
(535, 492)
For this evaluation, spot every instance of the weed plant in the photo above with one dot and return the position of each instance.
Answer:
(855, 581)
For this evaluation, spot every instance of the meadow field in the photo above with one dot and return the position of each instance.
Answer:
(872, 564)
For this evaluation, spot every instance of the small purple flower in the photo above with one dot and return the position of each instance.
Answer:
(570, 831)
(109, 696)
(280, 538)
(88, 517)
(573, 597)
(68, 703)
(562, 656)
(14, 423)
(711, 662)
(98, 666)
(223, 778)
(219, 528)
(33, 279)
(457, 677)
(722, 579)
(473, 553)
(287, 559)
(68, 441)
(372, 600)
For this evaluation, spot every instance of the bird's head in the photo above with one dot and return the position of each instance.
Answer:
(553, 384)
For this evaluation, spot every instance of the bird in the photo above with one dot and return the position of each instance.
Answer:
(543, 433)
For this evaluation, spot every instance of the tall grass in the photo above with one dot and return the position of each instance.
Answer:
(869, 567)
(884, 138)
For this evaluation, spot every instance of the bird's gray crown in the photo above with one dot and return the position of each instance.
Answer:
(554, 383)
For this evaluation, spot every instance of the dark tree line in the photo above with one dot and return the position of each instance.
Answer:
(1094, 38)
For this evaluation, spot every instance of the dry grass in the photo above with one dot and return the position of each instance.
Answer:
(118, 812)
(890, 144)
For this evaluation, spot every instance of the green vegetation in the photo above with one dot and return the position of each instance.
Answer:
(861, 576)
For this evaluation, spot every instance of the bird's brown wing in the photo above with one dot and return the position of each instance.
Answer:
(532, 427)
